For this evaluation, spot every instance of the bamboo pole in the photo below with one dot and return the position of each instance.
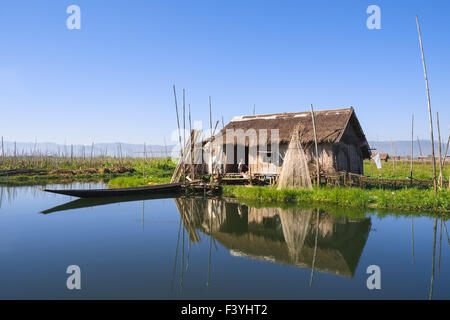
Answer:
(178, 123)
(315, 143)
(412, 148)
(393, 158)
(429, 106)
(446, 150)
(145, 160)
(420, 148)
(441, 176)
(92, 152)
(71, 154)
(192, 142)
(210, 143)
(184, 135)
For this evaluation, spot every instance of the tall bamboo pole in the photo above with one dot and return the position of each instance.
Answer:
(441, 176)
(184, 135)
(92, 152)
(145, 160)
(446, 150)
(412, 148)
(393, 157)
(429, 105)
(210, 143)
(178, 123)
(315, 143)
(420, 148)
(192, 144)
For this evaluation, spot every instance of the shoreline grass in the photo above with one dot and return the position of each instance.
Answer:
(405, 199)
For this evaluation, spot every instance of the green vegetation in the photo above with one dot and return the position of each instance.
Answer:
(422, 170)
(52, 163)
(157, 171)
(117, 172)
(405, 199)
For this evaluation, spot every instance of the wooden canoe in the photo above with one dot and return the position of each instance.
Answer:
(98, 193)
(94, 202)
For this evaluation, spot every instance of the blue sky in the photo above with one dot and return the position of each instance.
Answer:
(112, 80)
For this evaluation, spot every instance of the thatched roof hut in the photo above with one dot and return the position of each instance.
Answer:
(342, 143)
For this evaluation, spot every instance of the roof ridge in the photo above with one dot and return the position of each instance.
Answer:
(289, 113)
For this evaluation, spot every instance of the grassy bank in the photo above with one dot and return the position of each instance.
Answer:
(116, 172)
(401, 170)
(405, 199)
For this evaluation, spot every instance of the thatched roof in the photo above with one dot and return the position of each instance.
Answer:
(330, 126)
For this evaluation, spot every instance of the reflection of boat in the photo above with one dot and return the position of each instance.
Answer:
(303, 238)
(93, 202)
(96, 193)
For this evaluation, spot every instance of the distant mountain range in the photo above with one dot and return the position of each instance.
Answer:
(101, 149)
(399, 148)
(403, 148)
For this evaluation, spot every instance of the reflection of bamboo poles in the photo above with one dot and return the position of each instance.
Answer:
(412, 238)
(188, 254)
(315, 250)
(176, 257)
(210, 245)
(182, 265)
(446, 232)
(143, 215)
(433, 260)
(180, 203)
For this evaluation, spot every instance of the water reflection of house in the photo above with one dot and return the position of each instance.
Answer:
(286, 236)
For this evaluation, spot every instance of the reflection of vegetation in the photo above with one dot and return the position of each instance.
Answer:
(422, 170)
(407, 199)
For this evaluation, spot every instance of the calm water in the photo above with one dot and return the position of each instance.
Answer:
(188, 248)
